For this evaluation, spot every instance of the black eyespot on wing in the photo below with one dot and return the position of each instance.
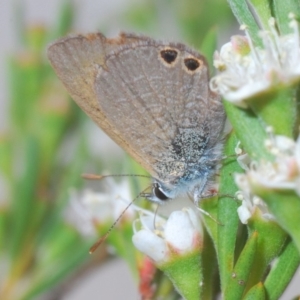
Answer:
(168, 55)
(159, 194)
(191, 64)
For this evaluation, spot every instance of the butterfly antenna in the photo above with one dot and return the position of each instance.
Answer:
(99, 177)
(103, 238)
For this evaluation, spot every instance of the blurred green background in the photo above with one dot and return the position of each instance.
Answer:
(46, 143)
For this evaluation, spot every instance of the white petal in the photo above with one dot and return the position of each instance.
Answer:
(148, 222)
(179, 231)
(242, 182)
(152, 222)
(244, 213)
(245, 75)
(284, 143)
(247, 91)
(194, 219)
(150, 244)
(244, 160)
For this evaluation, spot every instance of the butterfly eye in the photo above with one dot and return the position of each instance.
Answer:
(168, 55)
(191, 64)
(159, 193)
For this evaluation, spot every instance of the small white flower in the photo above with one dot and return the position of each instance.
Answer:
(250, 202)
(247, 71)
(87, 208)
(281, 173)
(284, 171)
(180, 234)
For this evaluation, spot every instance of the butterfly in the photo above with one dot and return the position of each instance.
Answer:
(153, 99)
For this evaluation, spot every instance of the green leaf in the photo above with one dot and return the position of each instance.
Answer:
(210, 268)
(25, 89)
(71, 178)
(23, 206)
(3, 228)
(210, 205)
(65, 19)
(284, 205)
(227, 212)
(282, 9)
(242, 269)
(249, 131)
(257, 292)
(282, 271)
(244, 16)
(278, 109)
(263, 11)
(6, 157)
(185, 272)
(271, 239)
(164, 288)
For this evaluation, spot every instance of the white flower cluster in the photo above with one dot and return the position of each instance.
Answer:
(160, 239)
(247, 71)
(283, 173)
(87, 208)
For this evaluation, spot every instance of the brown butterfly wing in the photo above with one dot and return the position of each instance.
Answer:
(132, 90)
(75, 59)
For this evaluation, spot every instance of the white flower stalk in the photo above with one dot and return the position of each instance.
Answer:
(87, 209)
(247, 71)
(281, 174)
(179, 235)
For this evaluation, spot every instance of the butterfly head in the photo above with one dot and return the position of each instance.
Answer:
(158, 193)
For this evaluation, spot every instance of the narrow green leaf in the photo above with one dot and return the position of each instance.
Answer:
(249, 131)
(242, 269)
(271, 239)
(6, 157)
(278, 110)
(186, 274)
(263, 11)
(35, 40)
(244, 16)
(227, 212)
(23, 206)
(210, 268)
(282, 271)
(51, 124)
(257, 292)
(3, 228)
(210, 205)
(65, 21)
(285, 206)
(164, 288)
(71, 178)
(25, 88)
(282, 9)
